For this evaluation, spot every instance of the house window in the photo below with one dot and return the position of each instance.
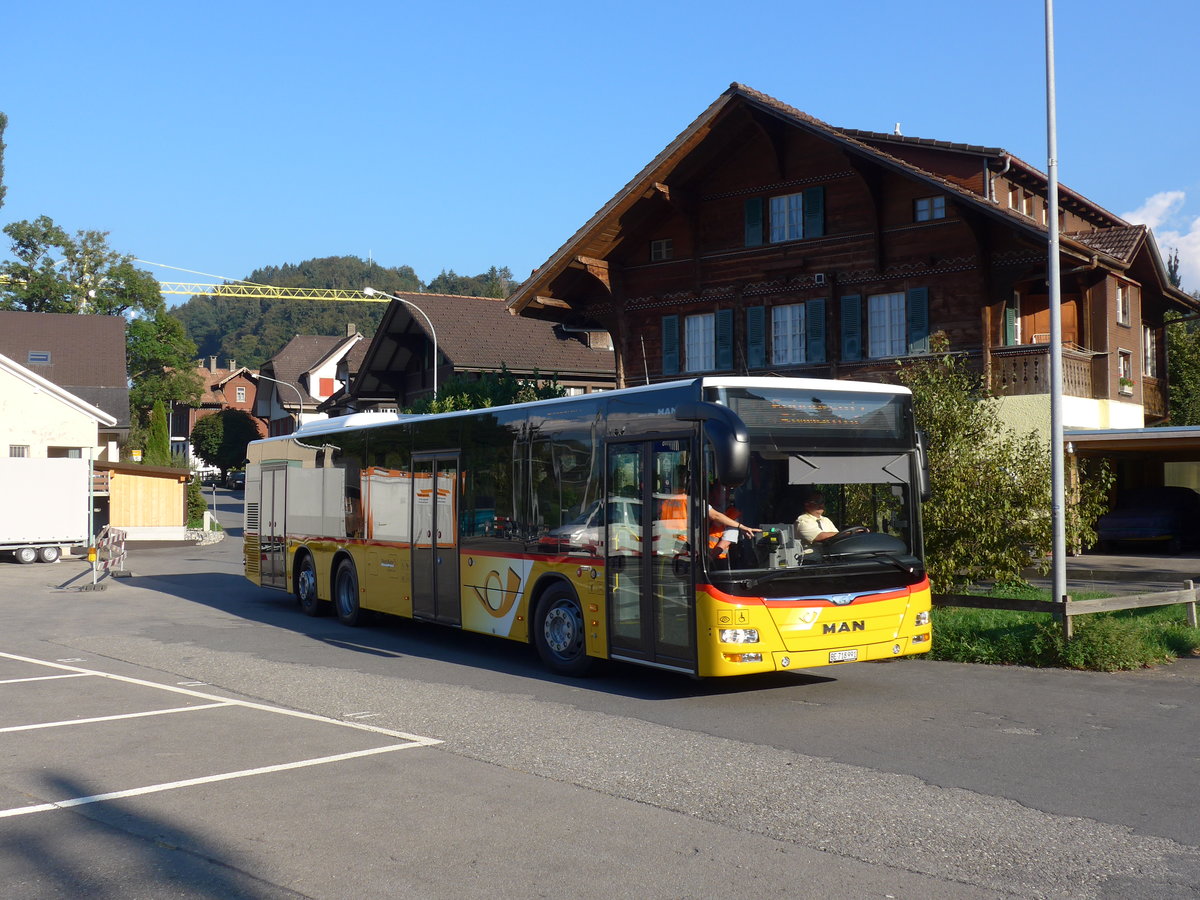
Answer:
(1014, 197)
(661, 249)
(241, 395)
(927, 208)
(18, 451)
(787, 334)
(1149, 351)
(1122, 303)
(885, 326)
(1027, 203)
(699, 343)
(38, 357)
(787, 218)
(1125, 372)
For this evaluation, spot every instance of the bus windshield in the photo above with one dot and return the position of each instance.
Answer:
(812, 514)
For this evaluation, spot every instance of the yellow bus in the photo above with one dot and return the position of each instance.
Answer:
(657, 525)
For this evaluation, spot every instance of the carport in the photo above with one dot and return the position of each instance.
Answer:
(1142, 457)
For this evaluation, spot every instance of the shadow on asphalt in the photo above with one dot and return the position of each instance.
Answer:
(396, 637)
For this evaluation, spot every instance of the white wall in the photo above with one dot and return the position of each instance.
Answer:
(29, 416)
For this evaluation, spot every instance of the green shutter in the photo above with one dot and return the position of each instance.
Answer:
(814, 331)
(814, 212)
(754, 221)
(918, 320)
(851, 328)
(756, 337)
(1010, 322)
(670, 345)
(724, 329)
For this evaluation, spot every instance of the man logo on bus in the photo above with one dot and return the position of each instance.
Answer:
(839, 627)
(498, 598)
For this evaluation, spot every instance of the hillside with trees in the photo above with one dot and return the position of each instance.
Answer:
(252, 331)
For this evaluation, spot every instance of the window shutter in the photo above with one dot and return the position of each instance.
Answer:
(724, 328)
(670, 345)
(754, 221)
(851, 328)
(814, 212)
(756, 337)
(1010, 322)
(918, 320)
(814, 331)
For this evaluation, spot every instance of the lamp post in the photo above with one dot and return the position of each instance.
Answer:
(371, 292)
(299, 398)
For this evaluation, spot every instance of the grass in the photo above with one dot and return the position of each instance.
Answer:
(1103, 642)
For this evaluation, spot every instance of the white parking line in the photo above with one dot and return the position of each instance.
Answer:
(45, 678)
(409, 740)
(136, 715)
(207, 779)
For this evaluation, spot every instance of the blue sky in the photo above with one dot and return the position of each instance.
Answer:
(221, 137)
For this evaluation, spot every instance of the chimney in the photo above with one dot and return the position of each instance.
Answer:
(212, 365)
(233, 365)
(351, 329)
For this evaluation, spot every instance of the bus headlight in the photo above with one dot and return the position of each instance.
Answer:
(739, 635)
(922, 618)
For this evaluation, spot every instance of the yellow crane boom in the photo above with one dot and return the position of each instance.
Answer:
(266, 292)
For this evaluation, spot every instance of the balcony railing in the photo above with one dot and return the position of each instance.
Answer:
(1019, 371)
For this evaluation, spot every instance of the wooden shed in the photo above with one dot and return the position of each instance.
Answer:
(148, 502)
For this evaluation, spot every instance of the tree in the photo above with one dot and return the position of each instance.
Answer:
(3, 125)
(220, 439)
(158, 443)
(1183, 370)
(161, 363)
(989, 513)
(54, 272)
(490, 389)
(1173, 269)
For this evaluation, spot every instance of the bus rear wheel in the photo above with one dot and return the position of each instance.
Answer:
(345, 594)
(306, 588)
(558, 632)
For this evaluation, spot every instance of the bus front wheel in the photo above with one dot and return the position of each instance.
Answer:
(306, 588)
(345, 594)
(558, 631)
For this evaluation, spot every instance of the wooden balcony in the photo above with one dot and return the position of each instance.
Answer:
(1024, 370)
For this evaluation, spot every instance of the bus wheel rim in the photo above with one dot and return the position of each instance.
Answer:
(562, 630)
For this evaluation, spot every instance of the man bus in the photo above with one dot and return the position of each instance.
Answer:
(581, 524)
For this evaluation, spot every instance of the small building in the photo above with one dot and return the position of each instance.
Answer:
(472, 336)
(228, 387)
(149, 503)
(304, 374)
(83, 355)
(40, 420)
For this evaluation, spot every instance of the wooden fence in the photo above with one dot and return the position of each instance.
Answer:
(1067, 610)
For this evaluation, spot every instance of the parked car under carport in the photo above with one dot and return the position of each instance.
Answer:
(1166, 516)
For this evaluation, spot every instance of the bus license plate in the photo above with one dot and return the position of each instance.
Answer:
(843, 655)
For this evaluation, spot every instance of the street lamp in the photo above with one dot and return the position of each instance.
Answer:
(299, 398)
(371, 292)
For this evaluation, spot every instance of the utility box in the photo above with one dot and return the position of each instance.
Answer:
(43, 507)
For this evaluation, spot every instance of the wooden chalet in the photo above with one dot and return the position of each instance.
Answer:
(763, 241)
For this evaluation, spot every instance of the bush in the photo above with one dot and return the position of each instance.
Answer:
(195, 505)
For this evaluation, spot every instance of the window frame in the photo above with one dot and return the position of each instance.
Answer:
(896, 325)
(1124, 303)
(662, 249)
(1125, 372)
(797, 339)
(791, 228)
(18, 451)
(1149, 351)
(240, 393)
(935, 208)
(699, 342)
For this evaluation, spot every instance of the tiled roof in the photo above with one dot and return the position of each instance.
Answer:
(86, 355)
(1120, 243)
(478, 333)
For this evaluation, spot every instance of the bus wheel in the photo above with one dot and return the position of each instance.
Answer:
(306, 588)
(345, 594)
(558, 632)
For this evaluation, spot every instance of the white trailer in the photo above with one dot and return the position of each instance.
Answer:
(43, 507)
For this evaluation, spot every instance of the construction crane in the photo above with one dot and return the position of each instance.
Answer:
(267, 292)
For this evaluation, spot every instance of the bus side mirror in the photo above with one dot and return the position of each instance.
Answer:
(923, 466)
(728, 436)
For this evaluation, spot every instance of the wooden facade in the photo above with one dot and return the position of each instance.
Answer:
(765, 241)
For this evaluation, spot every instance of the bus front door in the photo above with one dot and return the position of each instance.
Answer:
(272, 533)
(648, 554)
(436, 594)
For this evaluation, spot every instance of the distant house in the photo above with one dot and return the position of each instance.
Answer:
(40, 420)
(84, 356)
(301, 376)
(764, 241)
(231, 387)
(473, 335)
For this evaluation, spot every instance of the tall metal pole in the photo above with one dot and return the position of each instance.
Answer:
(1057, 492)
